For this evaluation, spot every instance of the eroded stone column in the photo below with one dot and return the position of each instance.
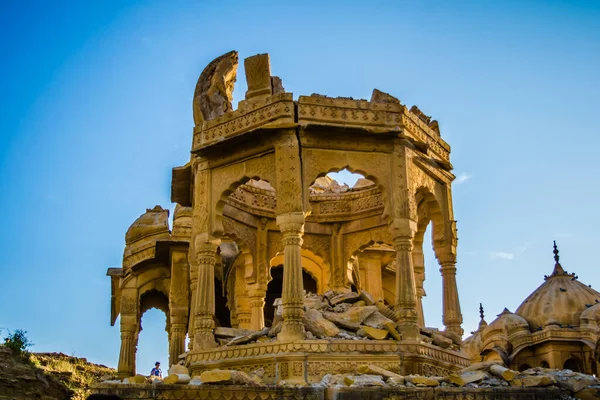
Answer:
(419, 267)
(129, 340)
(177, 341)
(205, 296)
(193, 299)
(292, 298)
(406, 294)
(452, 316)
(257, 306)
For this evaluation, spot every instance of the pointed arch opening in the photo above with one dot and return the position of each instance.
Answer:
(153, 342)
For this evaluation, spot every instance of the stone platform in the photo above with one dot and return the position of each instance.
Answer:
(307, 361)
(206, 392)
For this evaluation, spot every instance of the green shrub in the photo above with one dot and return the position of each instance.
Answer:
(18, 342)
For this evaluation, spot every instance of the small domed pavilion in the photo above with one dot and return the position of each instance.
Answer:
(556, 326)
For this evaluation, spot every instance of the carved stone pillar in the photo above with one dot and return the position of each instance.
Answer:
(419, 267)
(370, 273)
(292, 298)
(177, 341)
(406, 294)
(129, 341)
(244, 313)
(338, 280)
(178, 302)
(205, 296)
(452, 316)
(257, 306)
(193, 289)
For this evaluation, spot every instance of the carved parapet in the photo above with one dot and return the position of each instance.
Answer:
(275, 111)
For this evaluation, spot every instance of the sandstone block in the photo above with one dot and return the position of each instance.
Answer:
(574, 381)
(442, 341)
(591, 393)
(231, 332)
(373, 333)
(391, 328)
(502, 372)
(249, 338)
(482, 366)
(366, 296)
(375, 370)
(533, 380)
(135, 379)
(364, 380)
(223, 377)
(421, 380)
(177, 378)
(321, 327)
(377, 320)
(350, 297)
(396, 381)
(467, 377)
(178, 369)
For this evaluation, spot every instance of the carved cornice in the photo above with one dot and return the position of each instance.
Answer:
(273, 111)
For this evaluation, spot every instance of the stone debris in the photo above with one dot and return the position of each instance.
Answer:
(364, 380)
(349, 297)
(375, 370)
(249, 337)
(377, 320)
(177, 378)
(467, 377)
(178, 369)
(318, 325)
(135, 379)
(231, 333)
(422, 380)
(504, 373)
(227, 377)
(372, 333)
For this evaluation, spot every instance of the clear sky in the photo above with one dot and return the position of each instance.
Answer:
(95, 110)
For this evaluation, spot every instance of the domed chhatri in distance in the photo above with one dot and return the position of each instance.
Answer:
(556, 327)
(258, 224)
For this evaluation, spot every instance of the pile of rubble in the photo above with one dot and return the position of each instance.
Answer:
(337, 315)
(480, 375)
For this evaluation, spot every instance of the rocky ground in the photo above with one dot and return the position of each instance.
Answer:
(48, 376)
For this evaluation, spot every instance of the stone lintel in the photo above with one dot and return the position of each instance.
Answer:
(180, 185)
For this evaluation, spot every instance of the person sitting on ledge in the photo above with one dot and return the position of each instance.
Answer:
(156, 370)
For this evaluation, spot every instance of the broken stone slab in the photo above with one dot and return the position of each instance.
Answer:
(357, 315)
(339, 320)
(428, 331)
(364, 380)
(377, 320)
(400, 381)
(503, 372)
(368, 369)
(248, 338)
(195, 381)
(178, 369)
(359, 303)
(231, 332)
(315, 302)
(135, 379)
(455, 338)
(349, 297)
(342, 308)
(372, 333)
(177, 378)
(533, 381)
(386, 311)
(573, 381)
(225, 377)
(275, 326)
(589, 393)
(391, 328)
(214, 89)
(467, 377)
(321, 327)
(421, 380)
(481, 366)
(441, 341)
(367, 297)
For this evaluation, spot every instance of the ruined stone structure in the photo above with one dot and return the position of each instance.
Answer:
(257, 219)
(556, 326)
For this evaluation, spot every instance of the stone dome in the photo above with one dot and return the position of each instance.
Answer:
(153, 221)
(590, 316)
(507, 322)
(560, 300)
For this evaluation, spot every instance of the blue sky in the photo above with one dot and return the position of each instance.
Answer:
(95, 110)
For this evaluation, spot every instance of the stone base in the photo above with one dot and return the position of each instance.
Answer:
(206, 392)
(307, 361)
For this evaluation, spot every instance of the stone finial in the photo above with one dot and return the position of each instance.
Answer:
(482, 322)
(214, 90)
(258, 76)
(558, 269)
(480, 311)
